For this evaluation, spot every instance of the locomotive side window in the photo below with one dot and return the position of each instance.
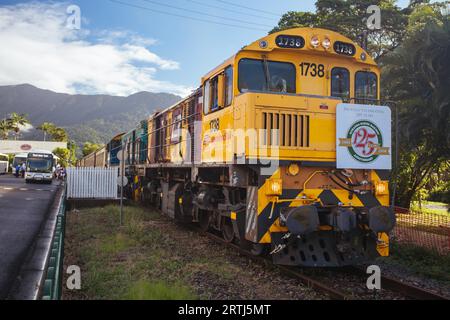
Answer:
(340, 83)
(228, 85)
(211, 102)
(366, 85)
(266, 76)
(206, 95)
(218, 91)
(214, 94)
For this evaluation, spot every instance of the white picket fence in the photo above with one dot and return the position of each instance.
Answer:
(92, 183)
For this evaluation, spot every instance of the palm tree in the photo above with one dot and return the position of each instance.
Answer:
(17, 121)
(5, 128)
(47, 128)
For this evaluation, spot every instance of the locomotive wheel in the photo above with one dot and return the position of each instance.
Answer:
(203, 220)
(227, 229)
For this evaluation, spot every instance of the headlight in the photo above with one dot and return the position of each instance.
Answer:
(293, 169)
(274, 187)
(381, 188)
(326, 43)
(315, 41)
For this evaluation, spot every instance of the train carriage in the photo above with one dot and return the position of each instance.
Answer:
(104, 157)
(284, 148)
(113, 147)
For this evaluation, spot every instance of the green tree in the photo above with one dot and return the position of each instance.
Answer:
(349, 18)
(72, 146)
(416, 75)
(59, 134)
(56, 133)
(17, 121)
(46, 128)
(90, 147)
(5, 128)
(64, 156)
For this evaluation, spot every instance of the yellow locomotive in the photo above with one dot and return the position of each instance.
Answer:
(284, 148)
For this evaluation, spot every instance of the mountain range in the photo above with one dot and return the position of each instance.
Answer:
(93, 118)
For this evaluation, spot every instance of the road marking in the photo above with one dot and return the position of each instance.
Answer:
(26, 189)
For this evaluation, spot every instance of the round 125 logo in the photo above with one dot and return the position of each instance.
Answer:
(365, 140)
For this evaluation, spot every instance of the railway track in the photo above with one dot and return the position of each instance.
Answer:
(399, 288)
(408, 290)
(402, 289)
(310, 282)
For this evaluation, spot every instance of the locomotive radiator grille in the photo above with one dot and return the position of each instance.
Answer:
(293, 129)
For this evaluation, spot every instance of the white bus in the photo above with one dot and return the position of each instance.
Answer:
(18, 160)
(40, 167)
(4, 163)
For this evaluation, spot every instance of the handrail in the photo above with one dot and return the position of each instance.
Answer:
(52, 288)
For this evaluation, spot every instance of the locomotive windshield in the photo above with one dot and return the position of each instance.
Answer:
(266, 76)
(340, 83)
(366, 86)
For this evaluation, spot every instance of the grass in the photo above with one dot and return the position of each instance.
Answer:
(125, 262)
(421, 261)
(144, 290)
(437, 211)
(146, 258)
(434, 203)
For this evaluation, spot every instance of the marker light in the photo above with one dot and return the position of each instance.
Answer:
(293, 169)
(381, 188)
(326, 43)
(274, 187)
(315, 42)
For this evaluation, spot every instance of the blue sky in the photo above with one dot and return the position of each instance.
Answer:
(168, 53)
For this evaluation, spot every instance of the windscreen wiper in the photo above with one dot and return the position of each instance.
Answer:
(266, 72)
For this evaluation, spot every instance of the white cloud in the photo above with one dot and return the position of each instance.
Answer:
(38, 49)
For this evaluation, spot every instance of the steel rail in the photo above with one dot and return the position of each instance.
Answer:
(406, 289)
(308, 281)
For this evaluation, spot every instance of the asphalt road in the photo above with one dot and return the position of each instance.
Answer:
(23, 210)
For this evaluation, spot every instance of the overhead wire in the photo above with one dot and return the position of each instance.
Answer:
(185, 17)
(248, 8)
(205, 14)
(229, 10)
